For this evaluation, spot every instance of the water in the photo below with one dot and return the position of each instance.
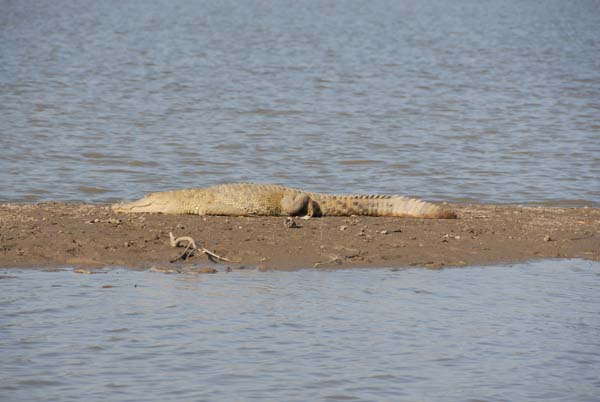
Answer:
(516, 333)
(461, 101)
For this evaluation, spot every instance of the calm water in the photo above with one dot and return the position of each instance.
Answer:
(519, 333)
(493, 101)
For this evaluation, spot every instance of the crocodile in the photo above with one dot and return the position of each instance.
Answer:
(247, 199)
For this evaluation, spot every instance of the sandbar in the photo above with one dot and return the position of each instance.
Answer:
(58, 234)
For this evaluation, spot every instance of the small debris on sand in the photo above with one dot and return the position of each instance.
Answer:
(190, 247)
(291, 223)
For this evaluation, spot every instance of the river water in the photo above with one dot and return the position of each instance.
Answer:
(487, 101)
(526, 332)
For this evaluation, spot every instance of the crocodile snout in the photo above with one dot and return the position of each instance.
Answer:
(142, 205)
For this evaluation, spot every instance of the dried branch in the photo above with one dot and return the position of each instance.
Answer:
(190, 247)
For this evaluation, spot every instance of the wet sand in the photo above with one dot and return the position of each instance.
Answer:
(53, 235)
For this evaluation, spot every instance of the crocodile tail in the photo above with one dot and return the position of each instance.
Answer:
(379, 205)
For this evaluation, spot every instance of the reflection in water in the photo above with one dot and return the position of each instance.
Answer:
(523, 332)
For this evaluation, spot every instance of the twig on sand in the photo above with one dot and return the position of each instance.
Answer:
(190, 247)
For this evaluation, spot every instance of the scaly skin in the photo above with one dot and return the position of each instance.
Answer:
(243, 199)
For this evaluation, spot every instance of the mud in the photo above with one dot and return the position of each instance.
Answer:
(53, 235)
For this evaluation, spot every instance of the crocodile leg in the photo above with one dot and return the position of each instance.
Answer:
(298, 203)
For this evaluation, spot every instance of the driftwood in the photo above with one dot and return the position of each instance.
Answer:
(190, 247)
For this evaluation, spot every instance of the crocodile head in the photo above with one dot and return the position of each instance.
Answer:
(164, 202)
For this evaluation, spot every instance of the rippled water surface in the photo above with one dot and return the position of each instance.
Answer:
(447, 100)
(516, 333)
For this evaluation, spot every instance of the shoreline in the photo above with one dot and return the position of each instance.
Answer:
(88, 236)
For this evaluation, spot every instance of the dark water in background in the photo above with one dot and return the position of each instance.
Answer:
(521, 333)
(464, 100)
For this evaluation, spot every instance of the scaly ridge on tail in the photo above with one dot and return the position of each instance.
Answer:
(378, 205)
